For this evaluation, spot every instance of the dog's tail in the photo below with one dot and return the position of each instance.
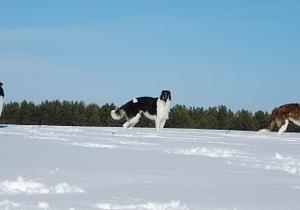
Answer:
(271, 122)
(117, 114)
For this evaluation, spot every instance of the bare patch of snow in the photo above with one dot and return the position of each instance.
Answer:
(173, 205)
(94, 145)
(209, 152)
(66, 188)
(6, 205)
(43, 205)
(288, 163)
(27, 186)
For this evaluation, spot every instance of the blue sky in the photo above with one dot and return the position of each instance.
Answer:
(243, 54)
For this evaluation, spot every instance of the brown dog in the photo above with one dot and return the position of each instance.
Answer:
(282, 115)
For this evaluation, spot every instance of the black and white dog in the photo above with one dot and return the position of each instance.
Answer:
(153, 108)
(1, 98)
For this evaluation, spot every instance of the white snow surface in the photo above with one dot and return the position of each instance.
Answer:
(22, 185)
(43, 205)
(84, 168)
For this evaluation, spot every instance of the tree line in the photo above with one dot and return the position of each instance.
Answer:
(74, 113)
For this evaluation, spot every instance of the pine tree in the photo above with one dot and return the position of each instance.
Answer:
(92, 114)
(179, 117)
(244, 121)
(261, 119)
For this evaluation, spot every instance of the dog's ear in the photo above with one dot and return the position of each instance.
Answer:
(169, 94)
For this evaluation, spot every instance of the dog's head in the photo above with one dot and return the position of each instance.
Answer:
(165, 95)
(1, 83)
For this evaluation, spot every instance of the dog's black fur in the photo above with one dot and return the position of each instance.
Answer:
(1, 98)
(133, 107)
(1, 90)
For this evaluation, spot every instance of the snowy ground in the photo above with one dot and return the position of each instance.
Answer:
(72, 168)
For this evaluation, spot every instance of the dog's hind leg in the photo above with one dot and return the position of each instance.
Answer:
(283, 127)
(125, 125)
(132, 122)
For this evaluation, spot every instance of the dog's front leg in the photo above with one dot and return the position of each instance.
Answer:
(162, 124)
(159, 124)
(283, 127)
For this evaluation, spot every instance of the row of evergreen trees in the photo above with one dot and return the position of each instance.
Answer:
(70, 113)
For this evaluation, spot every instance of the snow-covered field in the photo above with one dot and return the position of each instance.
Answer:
(80, 168)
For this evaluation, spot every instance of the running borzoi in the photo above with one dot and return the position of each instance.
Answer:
(282, 115)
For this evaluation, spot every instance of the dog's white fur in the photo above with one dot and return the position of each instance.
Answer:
(1, 104)
(163, 109)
